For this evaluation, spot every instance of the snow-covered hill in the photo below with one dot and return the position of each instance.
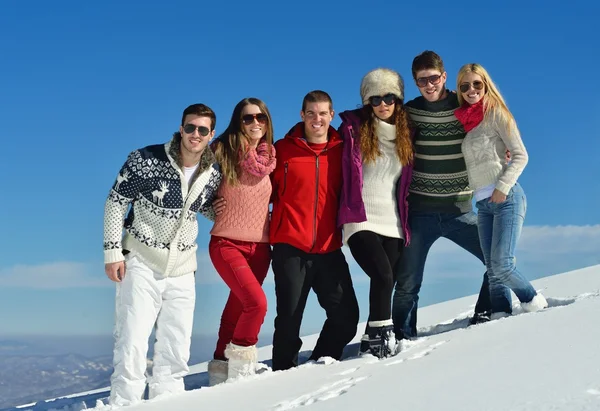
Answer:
(548, 360)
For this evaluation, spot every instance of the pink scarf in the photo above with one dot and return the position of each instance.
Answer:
(259, 161)
(470, 115)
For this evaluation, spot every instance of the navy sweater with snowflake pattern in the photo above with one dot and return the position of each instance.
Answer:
(161, 226)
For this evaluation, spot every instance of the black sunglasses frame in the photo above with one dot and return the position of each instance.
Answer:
(190, 128)
(434, 80)
(388, 99)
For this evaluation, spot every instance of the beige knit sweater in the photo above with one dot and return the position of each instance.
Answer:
(484, 148)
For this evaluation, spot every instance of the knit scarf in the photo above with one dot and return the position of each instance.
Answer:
(259, 161)
(470, 115)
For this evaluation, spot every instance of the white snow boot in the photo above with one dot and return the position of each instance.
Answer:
(217, 372)
(538, 303)
(242, 360)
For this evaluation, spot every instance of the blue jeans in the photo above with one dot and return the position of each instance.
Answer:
(499, 229)
(426, 229)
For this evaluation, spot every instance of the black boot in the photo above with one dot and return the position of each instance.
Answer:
(479, 318)
(382, 341)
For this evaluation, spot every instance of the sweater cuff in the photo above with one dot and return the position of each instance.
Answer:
(503, 187)
(113, 256)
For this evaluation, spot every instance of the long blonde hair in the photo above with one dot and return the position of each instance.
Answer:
(369, 144)
(493, 102)
(232, 144)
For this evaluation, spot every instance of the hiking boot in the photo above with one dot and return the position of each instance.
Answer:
(382, 341)
(479, 318)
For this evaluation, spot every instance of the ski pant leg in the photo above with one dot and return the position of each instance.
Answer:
(333, 285)
(137, 304)
(173, 335)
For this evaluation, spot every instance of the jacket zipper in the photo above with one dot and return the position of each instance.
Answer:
(316, 205)
(285, 172)
(316, 199)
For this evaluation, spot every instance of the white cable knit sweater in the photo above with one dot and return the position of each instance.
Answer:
(484, 148)
(379, 189)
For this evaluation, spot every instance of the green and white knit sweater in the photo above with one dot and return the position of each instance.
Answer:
(439, 182)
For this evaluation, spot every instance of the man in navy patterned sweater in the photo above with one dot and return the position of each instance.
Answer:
(153, 264)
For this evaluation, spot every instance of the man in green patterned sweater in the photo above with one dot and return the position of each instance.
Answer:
(440, 200)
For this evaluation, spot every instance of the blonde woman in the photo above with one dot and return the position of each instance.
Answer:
(500, 199)
(239, 245)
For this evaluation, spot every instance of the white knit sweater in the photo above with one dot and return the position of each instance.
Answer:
(379, 189)
(484, 148)
(161, 227)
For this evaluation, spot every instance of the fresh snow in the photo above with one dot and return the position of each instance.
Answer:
(549, 360)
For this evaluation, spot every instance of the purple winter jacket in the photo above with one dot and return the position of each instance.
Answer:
(352, 207)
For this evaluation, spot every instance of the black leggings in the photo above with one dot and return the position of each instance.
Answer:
(377, 255)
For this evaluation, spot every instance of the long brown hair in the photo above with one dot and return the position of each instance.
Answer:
(369, 144)
(233, 143)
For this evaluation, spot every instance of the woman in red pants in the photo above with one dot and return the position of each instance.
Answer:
(239, 246)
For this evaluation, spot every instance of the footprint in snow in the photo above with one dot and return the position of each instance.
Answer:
(322, 394)
(348, 371)
(417, 355)
(427, 351)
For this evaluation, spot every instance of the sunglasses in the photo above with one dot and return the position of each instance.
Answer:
(248, 119)
(435, 79)
(190, 128)
(388, 99)
(477, 85)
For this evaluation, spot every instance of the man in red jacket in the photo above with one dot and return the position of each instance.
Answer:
(305, 237)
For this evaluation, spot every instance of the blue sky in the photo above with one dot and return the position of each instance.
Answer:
(82, 84)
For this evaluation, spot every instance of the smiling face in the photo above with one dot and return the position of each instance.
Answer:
(431, 84)
(194, 143)
(317, 118)
(473, 86)
(257, 128)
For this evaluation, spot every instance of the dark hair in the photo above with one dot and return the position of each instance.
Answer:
(427, 60)
(200, 110)
(231, 146)
(317, 96)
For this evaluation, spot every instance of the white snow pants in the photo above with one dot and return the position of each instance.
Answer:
(145, 299)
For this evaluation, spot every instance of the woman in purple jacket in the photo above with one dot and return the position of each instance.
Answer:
(377, 169)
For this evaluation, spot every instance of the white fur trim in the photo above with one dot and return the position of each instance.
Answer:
(538, 303)
(380, 82)
(381, 323)
(242, 360)
(237, 352)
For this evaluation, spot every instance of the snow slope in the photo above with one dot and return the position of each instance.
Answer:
(548, 360)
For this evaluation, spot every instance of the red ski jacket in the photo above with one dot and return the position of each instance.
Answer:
(306, 193)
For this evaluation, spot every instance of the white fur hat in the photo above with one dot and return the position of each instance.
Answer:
(380, 82)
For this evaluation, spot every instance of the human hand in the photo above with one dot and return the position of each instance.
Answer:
(219, 205)
(497, 197)
(507, 156)
(115, 271)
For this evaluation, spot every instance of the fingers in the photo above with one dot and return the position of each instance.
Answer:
(115, 271)
(219, 205)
